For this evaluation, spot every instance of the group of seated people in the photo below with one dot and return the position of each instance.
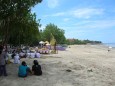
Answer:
(27, 55)
(17, 56)
(43, 51)
(24, 69)
(33, 55)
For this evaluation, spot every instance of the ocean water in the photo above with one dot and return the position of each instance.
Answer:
(110, 44)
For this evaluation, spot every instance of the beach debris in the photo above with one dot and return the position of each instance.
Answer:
(108, 50)
(68, 70)
(90, 70)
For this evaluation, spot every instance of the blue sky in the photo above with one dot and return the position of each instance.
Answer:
(81, 19)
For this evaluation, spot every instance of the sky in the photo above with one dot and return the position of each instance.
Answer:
(81, 19)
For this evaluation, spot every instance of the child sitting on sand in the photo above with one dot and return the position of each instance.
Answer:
(36, 68)
(23, 70)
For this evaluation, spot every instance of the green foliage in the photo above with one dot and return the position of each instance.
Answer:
(56, 32)
(53, 40)
(17, 24)
(28, 31)
(77, 41)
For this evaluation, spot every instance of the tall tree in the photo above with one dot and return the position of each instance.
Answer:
(28, 31)
(56, 32)
(13, 17)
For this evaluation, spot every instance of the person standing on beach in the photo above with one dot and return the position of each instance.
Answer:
(2, 62)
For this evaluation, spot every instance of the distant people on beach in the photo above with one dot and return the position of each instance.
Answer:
(17, 59)
(37, 55)
(109, 49)
(22, 55)
(24, 70)
(28, 55)
(36, 68)
(2, 62)
(13, 54)
(32, 54)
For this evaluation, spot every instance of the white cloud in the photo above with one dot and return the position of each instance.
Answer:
(58, 14)
(98, 24)
(84, 28)
(83, 13)
(52, 3)
(54, 15)
(86, 12)
(90, 25)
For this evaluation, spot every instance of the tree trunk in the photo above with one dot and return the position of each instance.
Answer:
(55, 47)
(4, 43)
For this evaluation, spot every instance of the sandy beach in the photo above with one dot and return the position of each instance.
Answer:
(79, 65)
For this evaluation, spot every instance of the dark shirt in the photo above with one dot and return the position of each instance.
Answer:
(2, 58)
(37, 69)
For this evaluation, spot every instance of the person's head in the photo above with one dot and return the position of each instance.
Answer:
(23, 63)
(35, 62)
(1, 48)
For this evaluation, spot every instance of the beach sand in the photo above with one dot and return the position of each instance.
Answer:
(79, 65)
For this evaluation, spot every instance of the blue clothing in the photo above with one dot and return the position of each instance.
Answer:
(22, 72)
(2, 58)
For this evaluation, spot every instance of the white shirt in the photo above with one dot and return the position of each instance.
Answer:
(17, 59)
(28, 55)
(37, 55)
(32, 55)
(22, 54)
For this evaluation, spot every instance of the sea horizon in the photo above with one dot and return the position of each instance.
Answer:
(109, 44)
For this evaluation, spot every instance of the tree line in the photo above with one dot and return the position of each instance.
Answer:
(51, 29)
(19, 26)
(78, 41)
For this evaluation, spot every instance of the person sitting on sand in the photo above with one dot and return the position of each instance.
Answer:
(23, 70)
(36, 68)
(37, 55)
(22, 55)
(16, 59)
(32, 54)
(13, 54)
